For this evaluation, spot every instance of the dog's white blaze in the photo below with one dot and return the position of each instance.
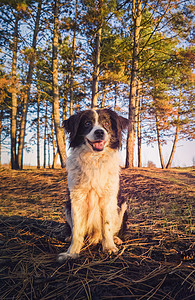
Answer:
(90, 136)
(96, 117)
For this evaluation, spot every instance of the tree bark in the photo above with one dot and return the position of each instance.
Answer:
(38, 131)
(48, 150)
(139, 143)
(173, 148)
(14, 163)
(139, 127)
(115, 96)
(55, 160)
(159, 143)
(65, 102)
(1, 118)
(45, 138)
(72, 63)
(176, 135)
(96, 71)
(104, 95)
(27, 90)
(56, 113)
(53, 142)
(137, 16)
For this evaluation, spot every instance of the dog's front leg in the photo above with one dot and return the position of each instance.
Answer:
(108, 215)
(78, 212)
(78, 233)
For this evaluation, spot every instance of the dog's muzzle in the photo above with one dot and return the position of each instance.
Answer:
(97, 140)
(97, 145)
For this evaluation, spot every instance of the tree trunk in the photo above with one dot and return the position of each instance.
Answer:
(96, 70)
(139, 138)
(48, 150)
(27, 90)
(137, 101)
(104, 95)
(65, 105)
(45, 138)
(115, 96)
(1, 118)
(14, 164)
(53, 142)
(56, 113)
(55, 160)
(159, 143)
(137, 16)
(139, 145)
(176, 135)
(38, 131)
(139, 127)
(173, 148)
(72, 63)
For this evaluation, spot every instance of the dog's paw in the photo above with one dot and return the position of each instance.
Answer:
(117, 240)
(65, 255)
(110, 250)
(113, 250)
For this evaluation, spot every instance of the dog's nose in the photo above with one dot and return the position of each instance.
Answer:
(99, 134)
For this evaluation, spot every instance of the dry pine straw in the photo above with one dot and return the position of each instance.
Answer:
(156, 261)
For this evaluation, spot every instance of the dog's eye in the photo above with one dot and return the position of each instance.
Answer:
(88, 123)
(106, 124)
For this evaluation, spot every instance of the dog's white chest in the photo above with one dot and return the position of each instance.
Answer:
(93, 171)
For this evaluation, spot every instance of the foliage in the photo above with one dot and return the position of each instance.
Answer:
(166, 60)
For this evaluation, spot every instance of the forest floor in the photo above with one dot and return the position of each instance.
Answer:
(156, 260)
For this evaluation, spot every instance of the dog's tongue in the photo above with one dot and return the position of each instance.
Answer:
(99, 145)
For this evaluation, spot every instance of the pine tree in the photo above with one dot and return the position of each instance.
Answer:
(14, 161)
(56, 113)
(27, 88)
(137, 17)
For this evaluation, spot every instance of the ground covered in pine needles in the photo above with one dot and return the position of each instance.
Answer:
(156, 260)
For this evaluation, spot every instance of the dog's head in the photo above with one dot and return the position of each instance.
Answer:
(96, 129)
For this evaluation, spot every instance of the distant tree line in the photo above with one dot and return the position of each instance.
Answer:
(58, 57)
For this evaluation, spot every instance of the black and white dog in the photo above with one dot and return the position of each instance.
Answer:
(93, 179)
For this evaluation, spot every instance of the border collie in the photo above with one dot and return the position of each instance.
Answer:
(93, 179)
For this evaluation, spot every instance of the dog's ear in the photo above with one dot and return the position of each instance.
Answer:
(119, 124)
(123, 122)
(71, 125)
(122, 125)
(65, 125)
(68, 125)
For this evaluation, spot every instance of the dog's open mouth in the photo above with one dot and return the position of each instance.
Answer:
(97, 145)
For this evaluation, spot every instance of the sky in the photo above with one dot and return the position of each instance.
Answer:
(184, 155)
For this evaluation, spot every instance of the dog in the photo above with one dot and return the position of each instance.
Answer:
(93, 179)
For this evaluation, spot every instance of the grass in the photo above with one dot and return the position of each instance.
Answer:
(156, 260)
